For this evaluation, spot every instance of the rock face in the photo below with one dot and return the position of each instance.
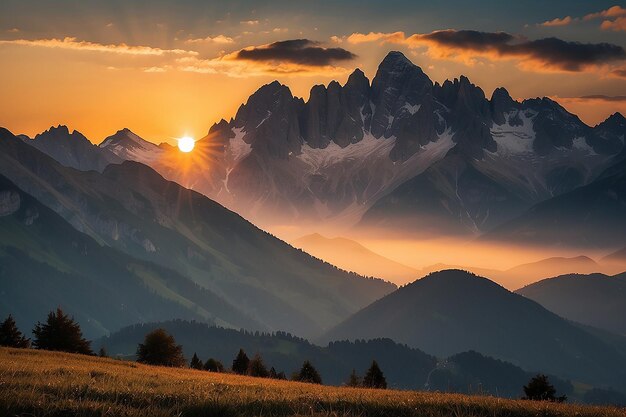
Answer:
(73, 149)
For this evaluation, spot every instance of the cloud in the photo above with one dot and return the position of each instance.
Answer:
(242, 69)
(619, 72)
(611, 12)
(616, 25)
(295, 51)
(297, 57)
(614, 18)
(395, 37)
(219, 39)
(548, 54)
(558, 22)
(74, 44)
(249, 22)
(600, 97)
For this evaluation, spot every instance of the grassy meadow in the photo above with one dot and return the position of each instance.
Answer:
(40, 383)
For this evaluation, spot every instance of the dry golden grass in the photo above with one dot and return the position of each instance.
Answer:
(38, 383)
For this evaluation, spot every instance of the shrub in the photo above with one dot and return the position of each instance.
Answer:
(160, 348)
(308, 373)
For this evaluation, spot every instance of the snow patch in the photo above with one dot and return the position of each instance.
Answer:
(580, 143)
(515, 140)
(412, 109)
(237, 147)
(334, 154)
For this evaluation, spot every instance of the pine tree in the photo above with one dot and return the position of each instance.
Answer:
(195, 362)
(257, 368)
(160, 348)
(354, 380)
(539, 388)
(241, 363)
(308, 373)
(273, 374)
(374, 377)
(10, 336)
(213, 365)
(102, 353)
(61, 333)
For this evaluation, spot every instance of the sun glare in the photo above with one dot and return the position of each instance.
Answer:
(186, 144)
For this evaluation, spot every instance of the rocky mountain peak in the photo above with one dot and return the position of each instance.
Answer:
(270, 120)
(616, 120)
(501, 103)
(398, 83)
(125, 138)
(61, 133)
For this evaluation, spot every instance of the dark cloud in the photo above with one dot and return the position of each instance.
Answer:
(619, 73)
(604, 98)
(469, 38)
(550, 52)
(296, 51)
(570, 56)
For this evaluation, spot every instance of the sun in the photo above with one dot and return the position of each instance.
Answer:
(186, 144)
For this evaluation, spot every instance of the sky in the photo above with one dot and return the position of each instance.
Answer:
(166, 69)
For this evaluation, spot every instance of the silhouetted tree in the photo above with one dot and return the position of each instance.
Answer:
(354, 380)
(374, 377)
(539, 388)
(10, 335)
(257, 368)
(241, 362)
(60, 332)
(308, 373)
(277, 375)
(160, 348)
(102, 353)
(195, 362)
(213, 365)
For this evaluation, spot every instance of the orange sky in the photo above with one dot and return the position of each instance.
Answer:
(174, 83)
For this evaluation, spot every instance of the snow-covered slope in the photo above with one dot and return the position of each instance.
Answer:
(129, 146)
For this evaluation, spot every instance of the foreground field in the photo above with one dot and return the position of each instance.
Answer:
(38, 383)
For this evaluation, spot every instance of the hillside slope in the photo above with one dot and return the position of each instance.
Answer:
(596, 300)
(136, 390)
(453, 311)
(45, 263)
(352, 256)
(133, 209)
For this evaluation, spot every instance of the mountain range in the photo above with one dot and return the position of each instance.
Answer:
(132, 209)
(353, 256)
(596, 300)
(400, 153)
(453, 311)
(132, 232)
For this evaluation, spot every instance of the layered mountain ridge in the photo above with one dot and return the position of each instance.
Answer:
(131, 208)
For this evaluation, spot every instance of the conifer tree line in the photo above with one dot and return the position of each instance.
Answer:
(60, 332)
